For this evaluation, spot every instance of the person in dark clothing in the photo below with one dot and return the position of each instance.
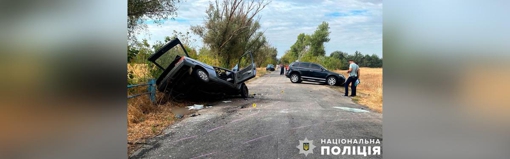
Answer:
(353, 76)
(282, 68)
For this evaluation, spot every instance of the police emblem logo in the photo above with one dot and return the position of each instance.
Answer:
(306, 146)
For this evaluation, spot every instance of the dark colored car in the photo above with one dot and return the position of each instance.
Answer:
(182, 76)
(305, 71)
(270, 67)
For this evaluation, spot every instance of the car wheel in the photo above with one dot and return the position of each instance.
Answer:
(202, 75)
(331, 81)
(244, 91)
(294, 78)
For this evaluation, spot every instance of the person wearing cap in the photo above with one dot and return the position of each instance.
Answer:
(353, 76)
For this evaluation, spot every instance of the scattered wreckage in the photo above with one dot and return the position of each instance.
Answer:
(182, 76)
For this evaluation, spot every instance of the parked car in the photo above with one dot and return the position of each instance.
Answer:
(305, 71)
(183, 76)
(270, 67)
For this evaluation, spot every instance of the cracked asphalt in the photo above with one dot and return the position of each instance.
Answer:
(284, 114)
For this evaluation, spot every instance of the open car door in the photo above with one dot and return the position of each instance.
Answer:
(246, 67)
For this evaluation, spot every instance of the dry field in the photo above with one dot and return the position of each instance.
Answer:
(370, 91)
(261, 71)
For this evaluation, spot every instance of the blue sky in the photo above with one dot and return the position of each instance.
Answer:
(354, 24)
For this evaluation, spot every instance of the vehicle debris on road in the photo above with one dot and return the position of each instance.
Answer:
(196, 107)
(227, 101)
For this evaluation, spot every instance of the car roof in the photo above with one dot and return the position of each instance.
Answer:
(306, 63)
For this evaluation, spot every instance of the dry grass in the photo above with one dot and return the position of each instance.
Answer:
(139, 71)
(261, 71)
(370, 90)
(145, 119)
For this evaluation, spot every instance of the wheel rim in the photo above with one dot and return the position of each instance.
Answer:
(331, 81)
(294, 78)
(202, 75)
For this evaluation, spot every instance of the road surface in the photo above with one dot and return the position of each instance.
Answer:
(284, 113)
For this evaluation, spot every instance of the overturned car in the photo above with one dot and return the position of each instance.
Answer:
(181, 76)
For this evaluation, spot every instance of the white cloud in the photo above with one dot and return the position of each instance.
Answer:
(356, 26)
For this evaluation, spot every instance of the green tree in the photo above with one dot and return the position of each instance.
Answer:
(139, 52)
(318, 38)
(142, 10)
(287, 58)
(298, 49)
(266, 55)
(132, 52)
(231, 29)
(206, 56)
(376, 61)
(339, 55)
(309, 47)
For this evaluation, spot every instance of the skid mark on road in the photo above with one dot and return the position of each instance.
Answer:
(352, 109)
(190, 137)
(204, 155)
(256, 139)
(214, 128)
(301, 127)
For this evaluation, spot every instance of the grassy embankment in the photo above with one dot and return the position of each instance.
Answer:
(145, 119)
(370, 91)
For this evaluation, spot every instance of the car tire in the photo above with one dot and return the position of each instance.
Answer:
(331, 80)
(295, 78)
(202, 75)
(244, 91)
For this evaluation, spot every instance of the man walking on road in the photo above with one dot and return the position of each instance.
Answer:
(353, 76)
(282, 67)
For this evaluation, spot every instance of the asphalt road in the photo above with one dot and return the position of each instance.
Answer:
(284, 114)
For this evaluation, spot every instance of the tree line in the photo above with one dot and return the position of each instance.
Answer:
(310, 48)
(360, 59)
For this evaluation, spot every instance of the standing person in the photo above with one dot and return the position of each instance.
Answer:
(353, 76)
(281, 69)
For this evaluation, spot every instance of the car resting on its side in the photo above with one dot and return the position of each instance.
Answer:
(181, 76)
(312, 72)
